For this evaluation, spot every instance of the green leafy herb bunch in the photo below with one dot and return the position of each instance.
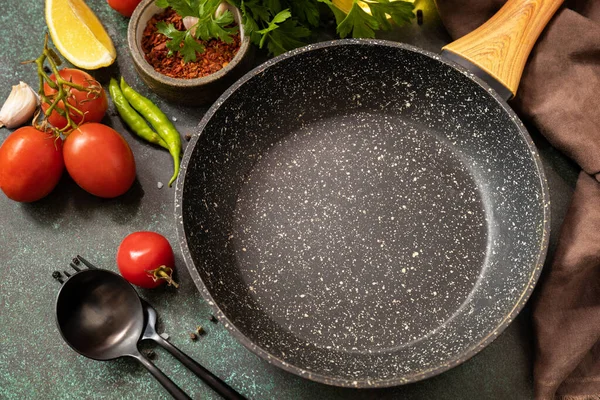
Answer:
(280, 25)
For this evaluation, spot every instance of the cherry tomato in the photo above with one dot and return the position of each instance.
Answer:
(125, 7)
(146, 259)
(99, 160)
(93, 108)
(31, 164)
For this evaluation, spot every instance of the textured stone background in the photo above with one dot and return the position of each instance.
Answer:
(36, 239)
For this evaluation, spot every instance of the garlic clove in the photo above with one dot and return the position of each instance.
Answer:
(19, 107)
(188, 22)
(221, 9)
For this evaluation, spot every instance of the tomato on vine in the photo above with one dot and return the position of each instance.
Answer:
(99, 160)
(88, 105)
(31, 164)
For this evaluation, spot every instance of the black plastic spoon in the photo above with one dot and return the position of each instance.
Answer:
(208, 377)
(100, 315)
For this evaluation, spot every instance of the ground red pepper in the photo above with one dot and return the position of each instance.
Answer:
(217, 54)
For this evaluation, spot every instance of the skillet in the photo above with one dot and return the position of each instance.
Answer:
(364, 213)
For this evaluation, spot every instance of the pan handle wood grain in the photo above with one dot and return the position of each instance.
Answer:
(502, 45)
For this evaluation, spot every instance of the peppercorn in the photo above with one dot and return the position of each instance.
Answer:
(56, 275)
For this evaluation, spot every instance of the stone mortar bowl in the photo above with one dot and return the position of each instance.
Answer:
(191, 92)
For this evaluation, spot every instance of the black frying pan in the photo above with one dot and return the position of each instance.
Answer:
(364, 213)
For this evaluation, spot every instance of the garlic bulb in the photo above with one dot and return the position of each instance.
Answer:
(19, 106)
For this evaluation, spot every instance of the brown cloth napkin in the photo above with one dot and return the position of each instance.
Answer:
(560, 95)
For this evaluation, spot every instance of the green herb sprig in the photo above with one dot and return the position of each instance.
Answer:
(209, 26)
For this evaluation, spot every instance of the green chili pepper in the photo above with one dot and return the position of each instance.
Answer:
(158, 120)
(131, 117)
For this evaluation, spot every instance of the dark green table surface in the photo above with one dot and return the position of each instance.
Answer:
(36, 239)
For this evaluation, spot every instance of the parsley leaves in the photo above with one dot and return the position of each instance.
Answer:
(280, 25)
(209, 26)
(286, 24)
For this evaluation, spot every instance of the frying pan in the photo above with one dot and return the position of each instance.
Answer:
(365, 213)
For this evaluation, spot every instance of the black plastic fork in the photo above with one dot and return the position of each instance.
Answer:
(75, 264)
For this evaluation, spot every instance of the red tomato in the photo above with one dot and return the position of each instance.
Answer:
(125, 7)
(31, 164)
(146, 259)
(93, 108)
(99, 160)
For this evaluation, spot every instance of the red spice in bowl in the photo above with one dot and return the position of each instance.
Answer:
(217, 54)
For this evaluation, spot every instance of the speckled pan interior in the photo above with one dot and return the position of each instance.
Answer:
(362, 213)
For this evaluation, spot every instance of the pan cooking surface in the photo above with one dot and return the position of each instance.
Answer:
(362, 214)
(351, 232)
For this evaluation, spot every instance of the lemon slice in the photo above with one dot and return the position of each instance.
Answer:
(78, 34)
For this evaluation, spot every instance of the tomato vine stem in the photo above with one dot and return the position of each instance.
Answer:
(165, 273)
(59, 101)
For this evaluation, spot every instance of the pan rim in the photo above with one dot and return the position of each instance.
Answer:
(367, 383)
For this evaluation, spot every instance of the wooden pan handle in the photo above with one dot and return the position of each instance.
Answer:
(502, 45)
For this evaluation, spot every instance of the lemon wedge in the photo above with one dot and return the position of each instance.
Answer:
(78, 34)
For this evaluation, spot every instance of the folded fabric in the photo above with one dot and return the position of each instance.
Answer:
(560, 95)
